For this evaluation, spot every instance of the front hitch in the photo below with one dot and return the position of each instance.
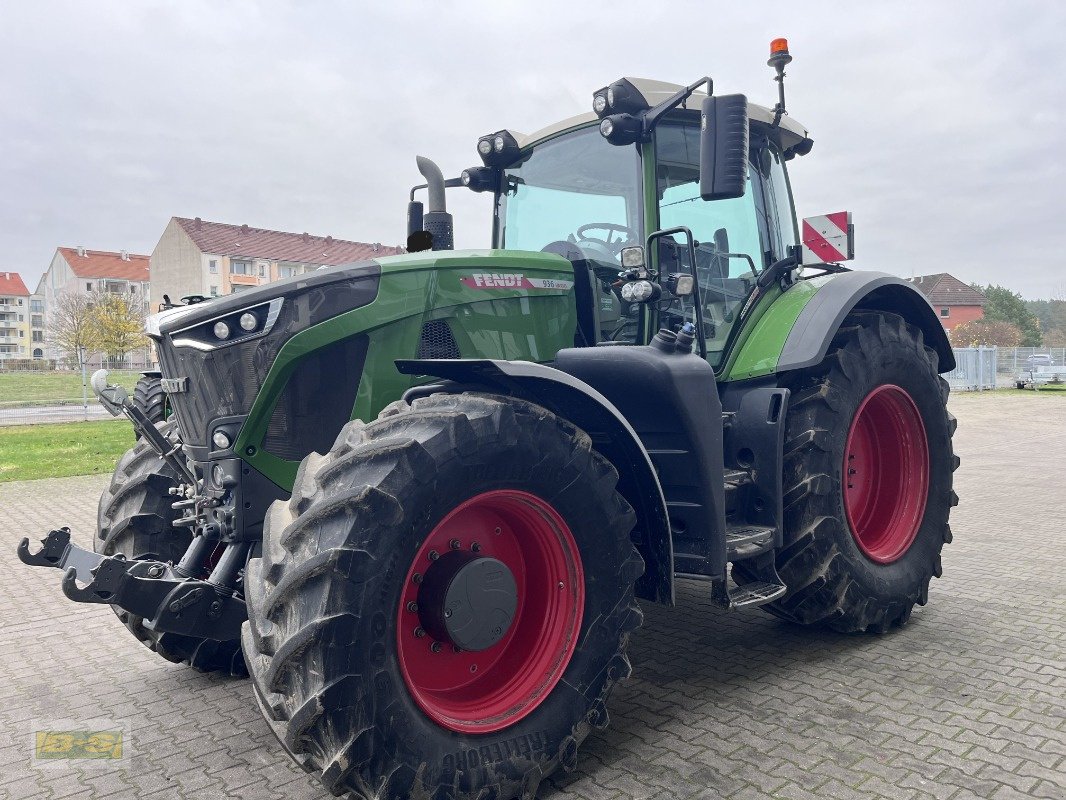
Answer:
(166, 599)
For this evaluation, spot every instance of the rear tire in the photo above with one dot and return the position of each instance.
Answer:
(861, 547)
(334, 638)
(134, 518)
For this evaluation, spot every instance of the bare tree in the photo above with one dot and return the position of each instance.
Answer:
(73, 328)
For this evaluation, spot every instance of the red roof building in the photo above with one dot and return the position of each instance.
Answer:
(955, 302)
(194, 256)
(83, 271)
(14, 317)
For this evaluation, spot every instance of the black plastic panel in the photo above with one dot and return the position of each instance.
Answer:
(317, 400)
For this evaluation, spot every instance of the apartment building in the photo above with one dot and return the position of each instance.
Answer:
(194, 256)
(76, 269)
(15, 335)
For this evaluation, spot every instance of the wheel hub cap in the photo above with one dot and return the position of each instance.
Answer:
(468, 602)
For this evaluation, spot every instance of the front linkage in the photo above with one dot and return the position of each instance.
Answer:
(169, 597)
(165, 595)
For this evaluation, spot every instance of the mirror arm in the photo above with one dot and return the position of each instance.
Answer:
(652, 116)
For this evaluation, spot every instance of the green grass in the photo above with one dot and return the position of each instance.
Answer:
(28, 452)
(43, 387)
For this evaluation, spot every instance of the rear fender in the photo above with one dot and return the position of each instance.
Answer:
(612, 436)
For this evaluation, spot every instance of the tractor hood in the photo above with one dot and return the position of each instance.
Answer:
(217, 357)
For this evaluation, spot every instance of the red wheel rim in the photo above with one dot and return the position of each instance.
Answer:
(886, 474)
(484, 691)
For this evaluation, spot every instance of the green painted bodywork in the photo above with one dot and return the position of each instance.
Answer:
(514, 323)
(757, 348)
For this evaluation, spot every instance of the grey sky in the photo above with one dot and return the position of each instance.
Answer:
(939, 125)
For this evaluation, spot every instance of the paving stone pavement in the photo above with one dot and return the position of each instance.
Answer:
(968, 701)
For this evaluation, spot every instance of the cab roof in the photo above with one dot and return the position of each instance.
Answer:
(791, 132)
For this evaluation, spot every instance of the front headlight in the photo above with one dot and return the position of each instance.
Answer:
(232, 328)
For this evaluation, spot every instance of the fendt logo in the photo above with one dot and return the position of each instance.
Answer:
(496, 280)
(512, 280)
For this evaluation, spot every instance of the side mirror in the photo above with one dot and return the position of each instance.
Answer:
(828, 238)
(723, 147)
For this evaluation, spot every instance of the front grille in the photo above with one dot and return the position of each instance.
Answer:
(437, 341)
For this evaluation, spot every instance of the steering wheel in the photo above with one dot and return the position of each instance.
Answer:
(611, 227)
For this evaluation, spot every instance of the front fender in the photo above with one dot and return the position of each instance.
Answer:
(821, 317)
(612, 436)
(797, 328)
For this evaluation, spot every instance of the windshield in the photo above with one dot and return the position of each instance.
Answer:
(577, 191)
(575, 188)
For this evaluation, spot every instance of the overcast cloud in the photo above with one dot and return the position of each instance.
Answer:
(939, 125)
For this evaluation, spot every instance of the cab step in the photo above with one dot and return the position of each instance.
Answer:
(750, 595)
(747, 541)
(731, 597)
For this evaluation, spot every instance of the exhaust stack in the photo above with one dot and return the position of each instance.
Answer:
(436, 220)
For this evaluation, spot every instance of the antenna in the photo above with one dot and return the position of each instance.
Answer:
(779, 58)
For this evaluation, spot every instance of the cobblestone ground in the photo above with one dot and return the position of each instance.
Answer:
(968, 701)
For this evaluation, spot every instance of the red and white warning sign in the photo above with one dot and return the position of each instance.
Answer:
(828, 238)
(512, 280)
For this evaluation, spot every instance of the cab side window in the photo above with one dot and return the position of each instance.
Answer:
(732, 235)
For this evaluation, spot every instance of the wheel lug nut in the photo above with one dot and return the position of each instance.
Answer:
(419, 632)
(475, 547)
(454, 544)
(435, 647)
(433, 555)
(418, 577)
(456, 648)
(498, 530)
(447, 613)
(412, 606)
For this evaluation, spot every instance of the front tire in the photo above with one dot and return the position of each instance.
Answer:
(149, 397)
(868, 479)
(354, 663)
(135, 518)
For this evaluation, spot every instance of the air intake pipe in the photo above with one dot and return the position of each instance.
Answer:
(436, 220)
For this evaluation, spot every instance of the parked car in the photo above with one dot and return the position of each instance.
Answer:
(1039, 360)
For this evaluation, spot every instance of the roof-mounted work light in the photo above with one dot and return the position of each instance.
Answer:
(480, 179)
(621, 97)
(622, 129)
(498, 149)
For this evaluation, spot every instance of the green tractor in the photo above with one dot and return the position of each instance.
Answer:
(417, 498)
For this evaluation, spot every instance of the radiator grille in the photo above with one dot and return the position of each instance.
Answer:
(437, 341)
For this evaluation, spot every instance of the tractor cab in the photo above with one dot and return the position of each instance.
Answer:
(627, 194)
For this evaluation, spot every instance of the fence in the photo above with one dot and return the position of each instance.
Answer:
(1012, 360)
(975, 369)
(35, 396)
